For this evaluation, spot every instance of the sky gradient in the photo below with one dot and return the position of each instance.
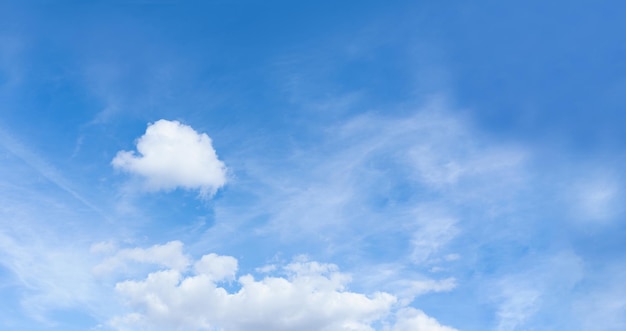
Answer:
(277, 165)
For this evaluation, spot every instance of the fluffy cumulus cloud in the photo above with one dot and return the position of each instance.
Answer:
(172, 155)
(303, 295)
(310, 296)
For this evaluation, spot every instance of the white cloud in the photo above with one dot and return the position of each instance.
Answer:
(300, 296)
(169, 255)
(410, 319)
(173, 155)
(216, 267)
(310, 296)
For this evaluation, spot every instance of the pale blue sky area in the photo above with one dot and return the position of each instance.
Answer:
(321, 165)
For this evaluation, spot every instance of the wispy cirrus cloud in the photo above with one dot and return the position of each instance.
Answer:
(38, 206)
(169, 255)
(596, 196)
(524, 296)
(48, 272)
(43, 168)
(374, 177)
(400, 201)
(603, 306)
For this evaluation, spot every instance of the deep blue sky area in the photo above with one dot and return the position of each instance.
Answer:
(312, 165)
(536, 70)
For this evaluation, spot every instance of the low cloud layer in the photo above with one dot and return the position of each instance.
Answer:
(302, 295)
(310, 297)
(172, 155)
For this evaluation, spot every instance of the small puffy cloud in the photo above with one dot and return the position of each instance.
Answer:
(172, 155)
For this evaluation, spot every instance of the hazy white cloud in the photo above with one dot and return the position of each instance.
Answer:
(169, 255)
(519, 304)
(603, 307)
(266, 269)
(412, 184)
(435, 230)
(402, 280)
(54, 274)
(546, 282)
(309, 296)
(14, 146)
(596, 197)
(368, 174)
(411, 319)
(44, 254)
(413, 288)
(172, 155)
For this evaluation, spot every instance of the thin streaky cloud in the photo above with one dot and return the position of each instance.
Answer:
(44, 168)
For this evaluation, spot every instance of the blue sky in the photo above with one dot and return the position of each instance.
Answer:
(330, 165)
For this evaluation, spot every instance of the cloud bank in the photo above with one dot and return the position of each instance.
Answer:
(302, 295)
(172, 155)
(311, 297)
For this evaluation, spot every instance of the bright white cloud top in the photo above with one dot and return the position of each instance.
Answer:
(173, 155)
(303, 296)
